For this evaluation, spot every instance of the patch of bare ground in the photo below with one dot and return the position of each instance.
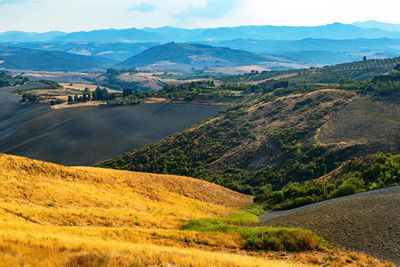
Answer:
(284, 76)
(84, 86)
(369, 222)
(365, 122)
(78, 105)
(153, 100)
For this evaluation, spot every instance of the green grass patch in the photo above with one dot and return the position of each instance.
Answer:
(259, 238)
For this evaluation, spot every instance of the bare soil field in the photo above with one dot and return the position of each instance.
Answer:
(87, 135)
(367, 222)
(57, 76)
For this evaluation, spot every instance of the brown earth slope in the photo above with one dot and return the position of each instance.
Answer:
(368, 222)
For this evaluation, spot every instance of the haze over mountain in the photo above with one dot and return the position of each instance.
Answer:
(19, 36)
(116, 51)
(30, 59)
(370, 24)
(315, 45)
(167, 34)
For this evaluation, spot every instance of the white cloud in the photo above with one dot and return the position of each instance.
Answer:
(143, 7)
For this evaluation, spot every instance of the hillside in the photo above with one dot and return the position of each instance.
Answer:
(177, 56)
(306, 51)
(30, 59)
(358, 70)
(52, 215)
(339, 222)
(287, 135)
(115, 51)
(35, 130)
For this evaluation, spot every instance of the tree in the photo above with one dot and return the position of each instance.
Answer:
(364, 58)
(127, 92)
(397, 67)
(70, 100)
(105, 94)
(98, 94)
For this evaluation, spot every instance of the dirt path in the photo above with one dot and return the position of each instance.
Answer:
(367, 222)
(284, 76)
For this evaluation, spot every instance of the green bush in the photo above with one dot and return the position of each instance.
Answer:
(282, 239)
(344, 190)
(259, 238)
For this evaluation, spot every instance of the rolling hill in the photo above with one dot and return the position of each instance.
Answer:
(175, 56)
(357, 70)
(35, 131)
(31, 59)
(115, 51)
(282, 139)
(52, 215)
(305, 51)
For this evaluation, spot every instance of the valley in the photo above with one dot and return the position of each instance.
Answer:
(225, 146)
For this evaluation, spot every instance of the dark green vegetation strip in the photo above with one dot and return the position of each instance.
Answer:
(259, 238)
(355, 176)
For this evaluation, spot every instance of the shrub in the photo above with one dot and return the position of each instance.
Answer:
(344, 190)
(259, 238)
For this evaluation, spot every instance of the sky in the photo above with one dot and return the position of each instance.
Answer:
(83, 15)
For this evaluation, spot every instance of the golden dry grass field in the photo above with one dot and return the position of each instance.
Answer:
(52, 215)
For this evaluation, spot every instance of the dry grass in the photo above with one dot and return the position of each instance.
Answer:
(77, 105)
(83, 86)
(52, 215)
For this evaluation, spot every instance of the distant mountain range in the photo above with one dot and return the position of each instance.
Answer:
(38, 60)
(115, 51)
(299, 46)
(189, 57)
(371, 24)
(168, 34)
(18, 36)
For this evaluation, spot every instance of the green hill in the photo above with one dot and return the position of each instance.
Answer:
(282, 136)
(30, 59)
(358, 70)
(188, 56)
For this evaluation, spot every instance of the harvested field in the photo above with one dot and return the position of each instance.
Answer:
(367, 222)
(87, 135)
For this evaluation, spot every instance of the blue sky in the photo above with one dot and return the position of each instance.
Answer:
(76, 15)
